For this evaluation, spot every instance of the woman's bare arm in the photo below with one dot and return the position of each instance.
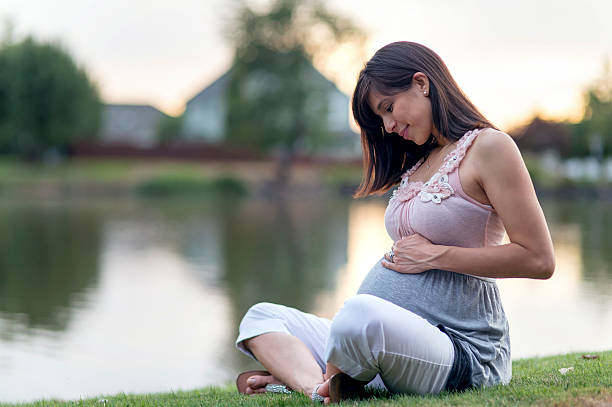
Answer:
(505, 181)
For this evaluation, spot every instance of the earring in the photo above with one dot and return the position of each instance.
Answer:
(382, 130)
(425, 93)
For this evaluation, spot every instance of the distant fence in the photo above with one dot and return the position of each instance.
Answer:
(190, 152)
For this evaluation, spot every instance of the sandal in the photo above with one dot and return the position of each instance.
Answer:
(344, 387)
(241, 382)
(315, 396)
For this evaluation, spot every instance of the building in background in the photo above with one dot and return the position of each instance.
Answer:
(541, 135)
(204, 116)
(134, 125)
(204, 119)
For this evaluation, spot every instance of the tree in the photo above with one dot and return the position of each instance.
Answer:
(593, 134)
(169, 129)
(275, 99)
(46, 100)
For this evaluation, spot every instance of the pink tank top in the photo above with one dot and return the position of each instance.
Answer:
(440, 210)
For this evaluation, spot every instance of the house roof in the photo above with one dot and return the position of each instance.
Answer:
(222, 82)
(540, 134)
(216, 86)
(143, 109)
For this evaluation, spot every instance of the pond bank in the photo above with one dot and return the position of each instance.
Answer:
(119, 177)
(99, 178)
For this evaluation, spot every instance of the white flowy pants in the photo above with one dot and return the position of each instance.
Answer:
(370, 339)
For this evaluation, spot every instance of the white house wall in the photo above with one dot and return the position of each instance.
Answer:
(204, 119)
(338, 112)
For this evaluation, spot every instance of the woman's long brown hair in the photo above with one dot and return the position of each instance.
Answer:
(385, 156)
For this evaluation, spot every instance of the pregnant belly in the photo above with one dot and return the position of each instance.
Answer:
(442, 297)
(414, 292)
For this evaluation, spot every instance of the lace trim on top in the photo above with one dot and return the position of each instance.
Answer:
(437, 188)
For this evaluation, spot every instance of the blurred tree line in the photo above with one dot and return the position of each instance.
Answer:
(593, 134)
(169, 129)
(46, 100)
(590, 137)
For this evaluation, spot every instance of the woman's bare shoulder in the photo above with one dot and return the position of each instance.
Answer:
(492, 141)
(492, 145)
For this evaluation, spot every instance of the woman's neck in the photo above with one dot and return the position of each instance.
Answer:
(442, 141)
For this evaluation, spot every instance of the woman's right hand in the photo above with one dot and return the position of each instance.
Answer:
(412, 255)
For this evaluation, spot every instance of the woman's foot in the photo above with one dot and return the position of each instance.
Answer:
(323, 391)
(256, 384)
(255, 381)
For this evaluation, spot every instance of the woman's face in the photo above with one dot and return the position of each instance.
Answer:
(407, 113)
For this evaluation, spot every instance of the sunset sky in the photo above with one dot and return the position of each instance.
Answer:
(512, 58)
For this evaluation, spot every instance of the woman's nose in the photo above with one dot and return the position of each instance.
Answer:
(389, 125)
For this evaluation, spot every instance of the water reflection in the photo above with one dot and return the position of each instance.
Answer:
(367, 241)
(279, 253)
(145, 296)
(142, 325)
(587, 225)
(49, 255)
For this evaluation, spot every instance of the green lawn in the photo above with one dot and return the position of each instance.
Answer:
(96, 171)
(163, 178)
(147, 178)
(536, 382)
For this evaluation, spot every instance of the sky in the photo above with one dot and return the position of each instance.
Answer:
(513, 59)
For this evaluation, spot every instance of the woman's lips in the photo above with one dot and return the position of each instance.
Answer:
(404, 133)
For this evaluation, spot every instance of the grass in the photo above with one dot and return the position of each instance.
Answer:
(166, 178)
(159, 179)
(536, 382)
(172, 186)
(343, 179)
(15, 171)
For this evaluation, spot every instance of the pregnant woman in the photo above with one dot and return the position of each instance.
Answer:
(428, 317)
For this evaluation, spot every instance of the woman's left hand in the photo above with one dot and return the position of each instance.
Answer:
(412, 254)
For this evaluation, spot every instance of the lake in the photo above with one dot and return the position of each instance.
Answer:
(103, 296)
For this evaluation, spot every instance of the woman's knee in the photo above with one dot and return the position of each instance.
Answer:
(258, 313)
(255, 316)
(359, 318)
(356, 337)
(262, 310)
